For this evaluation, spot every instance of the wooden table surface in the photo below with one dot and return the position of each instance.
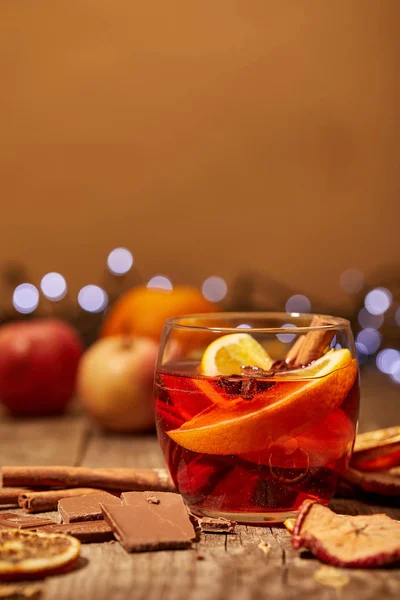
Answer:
(232, 566)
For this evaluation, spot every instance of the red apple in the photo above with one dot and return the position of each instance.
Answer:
(115, 383)
(38, 365)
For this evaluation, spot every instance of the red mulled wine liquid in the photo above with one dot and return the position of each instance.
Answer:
(211, 432)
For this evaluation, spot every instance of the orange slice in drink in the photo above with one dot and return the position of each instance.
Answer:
(228, 354)
(327, 441)
(287, 410)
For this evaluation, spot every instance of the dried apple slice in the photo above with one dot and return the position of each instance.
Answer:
(27, 554)
(345, 541)
(292, 408)
(377, 450)
(384, 484)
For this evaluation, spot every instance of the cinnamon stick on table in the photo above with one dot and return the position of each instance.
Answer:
(312, 345)
(38, 501)
(10, 495)
(119, 479)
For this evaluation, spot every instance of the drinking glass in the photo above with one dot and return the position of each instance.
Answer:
(256, 412)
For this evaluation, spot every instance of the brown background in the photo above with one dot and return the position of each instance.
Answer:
(207, 136)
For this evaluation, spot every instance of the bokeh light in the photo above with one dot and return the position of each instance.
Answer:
(395, 376)
(92, 298)
(370, 338)
(352, 281)
(120, 261)
(362, 353)
(214, 288)
(367, 320)
(243, 326)
(25, 298)
(388, 360)
(298, 304)
(160, 282)
(286, 337)
(54, 286)
(377, 301)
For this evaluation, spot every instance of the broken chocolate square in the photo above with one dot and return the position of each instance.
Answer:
(85, 531)
(142, 525)
(16, 521)
(220, 525)
(84, 508)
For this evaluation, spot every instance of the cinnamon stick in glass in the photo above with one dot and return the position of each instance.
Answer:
(312, 345)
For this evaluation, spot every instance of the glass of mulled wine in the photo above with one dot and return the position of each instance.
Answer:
(256, 411)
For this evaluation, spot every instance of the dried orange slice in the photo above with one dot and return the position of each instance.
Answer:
(287, 410)
(229, 353)
(27, 554)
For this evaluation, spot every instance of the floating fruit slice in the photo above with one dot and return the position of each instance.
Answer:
(312, 370)
(324, 443)
(229, 353)
(27, 554)
(288, 409)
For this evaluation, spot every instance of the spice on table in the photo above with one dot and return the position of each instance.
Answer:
(42, 501)
(122, 479)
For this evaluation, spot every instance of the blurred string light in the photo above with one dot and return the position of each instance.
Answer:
(298, 303)
(25, 298)
(160, 282)
(362, 353)
(388, 361)
(352, 281)
(370, 338)
(378, 301)
(54, 286)
(214, 288)
(92, 298)
(366, 319)
(120, 261)
(286, 337)
(335, 344)
(395, 375)
(243, 326)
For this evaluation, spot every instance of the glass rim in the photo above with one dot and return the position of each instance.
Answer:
(337, 323)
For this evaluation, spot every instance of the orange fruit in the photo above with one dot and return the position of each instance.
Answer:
(286, 410)
(143, 312)
(28, 554)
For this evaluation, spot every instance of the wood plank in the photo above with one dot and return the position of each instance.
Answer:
(233, 566)
(50, 441)
(111, 450)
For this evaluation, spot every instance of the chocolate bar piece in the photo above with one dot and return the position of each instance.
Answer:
(9, 520)
(84, 508)
(86, 531)
(150, 521)
(220, 525)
